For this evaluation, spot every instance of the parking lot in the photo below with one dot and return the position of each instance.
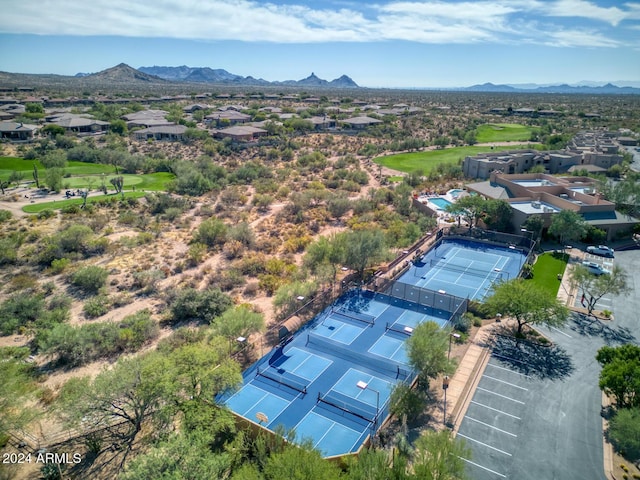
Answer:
(493, 422)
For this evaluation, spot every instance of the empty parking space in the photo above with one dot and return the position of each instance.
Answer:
(492, 424)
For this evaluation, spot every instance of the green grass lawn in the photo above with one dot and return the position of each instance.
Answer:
(546, 270)
(425, 161)
(58, 204)
(503, 132)
(151, 181)
(83, 175)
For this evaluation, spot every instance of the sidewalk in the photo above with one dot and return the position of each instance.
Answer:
(470, 369)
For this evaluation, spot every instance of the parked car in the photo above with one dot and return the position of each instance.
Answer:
(595, 268)
(600, 250)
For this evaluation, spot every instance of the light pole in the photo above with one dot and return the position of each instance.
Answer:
(451, 336)
(445, 386)
(365, 386)
(530, 232)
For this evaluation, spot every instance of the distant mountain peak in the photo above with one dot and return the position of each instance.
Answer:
(123, 73)
(220, 76)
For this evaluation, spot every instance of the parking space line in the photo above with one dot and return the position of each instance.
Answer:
(508, 370)
(480, 466)
(491, 426)
(495, 409)
(501, 396)
(560, 331)
(507, 383)
(484, 444)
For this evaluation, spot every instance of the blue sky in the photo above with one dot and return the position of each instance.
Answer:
(384, 43)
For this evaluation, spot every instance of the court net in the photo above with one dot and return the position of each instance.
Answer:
(495, 273)
(282, 379)
(350, 407)
(361, 317)
(399, 328)
(374, 362)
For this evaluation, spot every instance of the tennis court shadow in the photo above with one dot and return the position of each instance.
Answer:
(357, 303)
(593, 327)
(532, 359)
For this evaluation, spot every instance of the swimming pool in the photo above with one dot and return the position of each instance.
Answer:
(440, 202)
(455, 193)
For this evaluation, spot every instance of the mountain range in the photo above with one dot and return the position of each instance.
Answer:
(124, 76)
(220, 76)
(563, 88)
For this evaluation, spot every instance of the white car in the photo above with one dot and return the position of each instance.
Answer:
(595, 268)
(600, 250)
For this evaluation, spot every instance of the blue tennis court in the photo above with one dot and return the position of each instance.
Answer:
(465, 268)
(332, 381)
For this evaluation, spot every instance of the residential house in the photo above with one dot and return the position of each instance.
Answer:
(360, 123)
(546, 195)
(17, 132)
(169, 133)
(243, 133)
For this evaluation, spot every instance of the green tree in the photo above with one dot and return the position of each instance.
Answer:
(53, 178)
(498, 215)
(54, 159)
(470, 208)
(624, 433)
(240, 321)
(594, 287)
(299, 463)
(620, 375)
(439, 456)
(135, 390)
(118, 126)
(36, 177)
(287, 297)
(363, 249)
(202, 370)
(535, 224)
(527, 303)
(567, 226)
(427, 351)
(179, 457)
(406, 403)
(327, 252)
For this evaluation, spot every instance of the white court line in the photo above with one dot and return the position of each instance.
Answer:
(508, 370)
(560, 331)
(501, 396)
(495, 410)
(484, 444)
(491, 426)
(507, 383)
(480, 466)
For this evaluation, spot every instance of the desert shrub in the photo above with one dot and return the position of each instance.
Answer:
(242, 233)
(200, 305)
(269, 283)
(5, 215)
(76, 346)
(8, 251)
(90, 279)
(211, 232)
(147, 280)
(96, 306)
(46, 213)
(58, 265)
(19, 310)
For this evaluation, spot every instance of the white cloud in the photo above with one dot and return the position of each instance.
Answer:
(585, 9)
(579, 38)
(251, 20)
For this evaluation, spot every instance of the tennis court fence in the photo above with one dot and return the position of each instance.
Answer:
(374, 362)
(438, 300)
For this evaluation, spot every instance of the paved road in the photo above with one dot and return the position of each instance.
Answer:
(536, 413)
